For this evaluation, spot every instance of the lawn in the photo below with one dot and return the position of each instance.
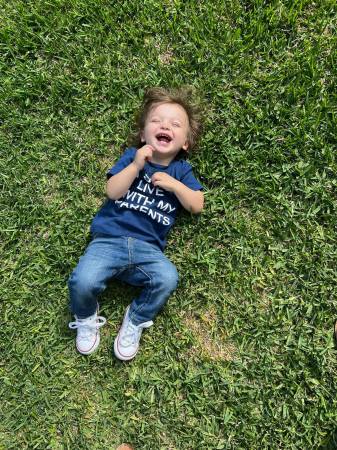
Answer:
(242, 357)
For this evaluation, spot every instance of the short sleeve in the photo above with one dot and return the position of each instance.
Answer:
(127, 158)
(188, 178)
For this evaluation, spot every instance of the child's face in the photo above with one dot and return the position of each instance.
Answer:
(166, 130)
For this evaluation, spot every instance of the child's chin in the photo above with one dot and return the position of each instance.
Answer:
(165, 149)
(162, 147)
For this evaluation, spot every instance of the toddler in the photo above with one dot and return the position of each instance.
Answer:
(145, 189)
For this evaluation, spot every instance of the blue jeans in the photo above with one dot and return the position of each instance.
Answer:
(127, 259)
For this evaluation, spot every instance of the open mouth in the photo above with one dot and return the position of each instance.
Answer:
(163, 137)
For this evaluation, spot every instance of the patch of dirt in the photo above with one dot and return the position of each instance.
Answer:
(212, 342)
(166, 57)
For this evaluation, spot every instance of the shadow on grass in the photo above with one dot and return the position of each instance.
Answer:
(331, 443)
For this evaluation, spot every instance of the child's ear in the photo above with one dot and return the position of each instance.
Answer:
(185, 146)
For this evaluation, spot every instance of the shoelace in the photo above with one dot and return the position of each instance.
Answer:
(88, 325)
(132, 332)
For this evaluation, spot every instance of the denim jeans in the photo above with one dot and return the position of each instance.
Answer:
(136, 262)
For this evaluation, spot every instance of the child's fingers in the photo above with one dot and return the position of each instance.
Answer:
(156, 177)
(148, 152)
(144, 154)
(147, 148)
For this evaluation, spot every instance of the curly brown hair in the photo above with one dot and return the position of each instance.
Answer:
(180, 96)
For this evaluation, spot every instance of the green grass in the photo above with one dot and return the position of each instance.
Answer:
(242, 357)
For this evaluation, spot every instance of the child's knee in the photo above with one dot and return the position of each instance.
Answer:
(169, 278)
(83, 283)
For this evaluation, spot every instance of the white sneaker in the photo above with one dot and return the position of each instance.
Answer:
(87, 339)
(127, 341)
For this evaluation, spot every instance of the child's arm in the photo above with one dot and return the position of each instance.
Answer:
(119, 184)
(192, 201)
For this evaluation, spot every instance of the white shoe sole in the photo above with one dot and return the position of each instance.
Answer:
(119, 355)
(92, 349)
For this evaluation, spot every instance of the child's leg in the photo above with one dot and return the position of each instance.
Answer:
(153, 271)
(103, 259)
(159, 278)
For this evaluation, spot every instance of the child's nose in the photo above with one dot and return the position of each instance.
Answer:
(165, 125)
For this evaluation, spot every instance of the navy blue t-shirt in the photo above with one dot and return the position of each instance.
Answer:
(145, 212)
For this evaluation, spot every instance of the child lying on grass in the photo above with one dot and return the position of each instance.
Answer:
(145, 189)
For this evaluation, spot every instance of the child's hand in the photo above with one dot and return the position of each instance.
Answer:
(143, 154)
(165, 181)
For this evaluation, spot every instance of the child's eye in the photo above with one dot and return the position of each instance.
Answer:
(176, 124)
(155, 120)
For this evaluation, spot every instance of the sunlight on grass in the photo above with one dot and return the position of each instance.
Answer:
(242, 356)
